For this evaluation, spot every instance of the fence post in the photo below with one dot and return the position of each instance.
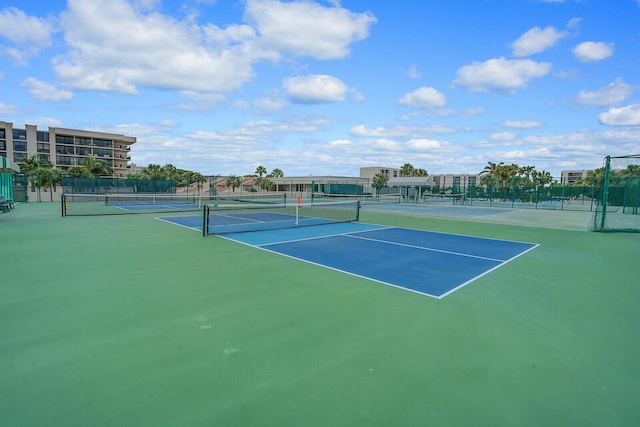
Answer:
(605, 192)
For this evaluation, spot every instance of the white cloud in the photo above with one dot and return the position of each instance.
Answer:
(8, 109)
(608, 96)
(29, 34)
(115, 46)
(424, 144)
(45, 91)
(266, 106)
(500, 74)
(593, 51)
(536, 40)
(522, 124)
(315, 89)
(624, 116)
(413, 73)
(399, 131)
(503, 136)
(17, 27)
(304, 28)
(356, 96)
(423, 98)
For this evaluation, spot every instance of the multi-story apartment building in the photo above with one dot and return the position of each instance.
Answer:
(370, 172)
(65, 148)
(573, 176)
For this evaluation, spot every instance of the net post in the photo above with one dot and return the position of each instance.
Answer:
(205, 222)
(358, 204)
(62, 204)
(605, 191)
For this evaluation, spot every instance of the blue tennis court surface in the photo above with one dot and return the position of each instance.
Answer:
(428, 263)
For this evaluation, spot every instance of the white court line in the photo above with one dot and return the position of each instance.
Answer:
(427, 249)
(179, 225)
(320, 237)
(462, 285)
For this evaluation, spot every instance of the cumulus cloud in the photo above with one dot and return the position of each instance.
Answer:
(423, 98)
(399, 131)
(522, 124)
(27, 34)
(116, 46)
(593, 51)
(536, 40)
(500, 74)
(315, 89)
(45, 91)
(608, 96)
(624, 116)
(303, 28)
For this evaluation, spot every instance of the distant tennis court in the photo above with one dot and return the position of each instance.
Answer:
(428, 263)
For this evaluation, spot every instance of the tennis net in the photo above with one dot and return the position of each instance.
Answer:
(119, 204)
(249, 198)
(363, 198)
(228, 218)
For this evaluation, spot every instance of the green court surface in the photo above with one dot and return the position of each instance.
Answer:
(130, 321)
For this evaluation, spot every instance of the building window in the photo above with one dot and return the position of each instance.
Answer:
(20, 134)
(472, 181)
(43, 147)
(83, 151)
(42, 136)
(61, 149)
(83, 141)
(18, 157)
(99, 152)
(19, 145)
(3, 145)
(43, 157)
(62, 139)
(3, 133)
(103, 143)
(65, 160)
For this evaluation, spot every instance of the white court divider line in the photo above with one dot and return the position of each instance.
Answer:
(324, 236)
(427, 249)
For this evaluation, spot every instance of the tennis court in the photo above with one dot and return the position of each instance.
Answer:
(127, 320)
(428, 263)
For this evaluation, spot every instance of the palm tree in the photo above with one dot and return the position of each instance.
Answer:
(234, 182)
(407, 170)
(594, 176)
(276, 173)
(528, 172)
(34, 166)
(633, 170)
(379, 181)
(260, 170)
(96, 167)
(266, 184)
(420, 172)
(491, 168)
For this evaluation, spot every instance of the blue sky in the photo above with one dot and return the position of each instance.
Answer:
(327, 87)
